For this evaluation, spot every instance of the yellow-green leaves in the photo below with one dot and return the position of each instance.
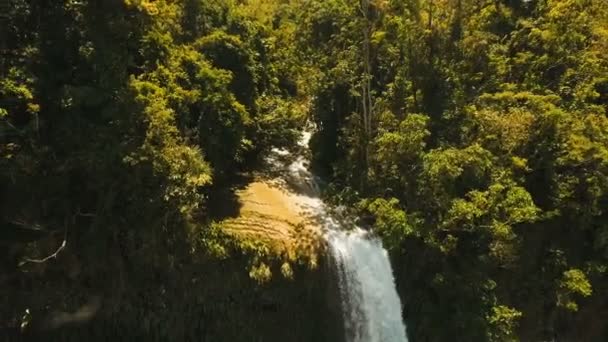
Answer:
(17, 86)
(391, 222)
(574, 283)
(505, 158)
(494, 213)
(504, 319)
(260, 272)
(448, 173)
(396, 152)
(230, 53)
(582, 181)
(181, 167)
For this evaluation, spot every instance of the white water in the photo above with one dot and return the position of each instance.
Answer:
(370, 304)
(371, 307)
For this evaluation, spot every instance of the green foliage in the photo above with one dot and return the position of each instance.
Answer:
(260, 273)
(504, 319)
(573, 282)
(397, 152)
(182, 166)
(474, 133)
(493, 212)
(119, 121)
(391, 222)
(486, 153)
(228, 52)
(280, 122)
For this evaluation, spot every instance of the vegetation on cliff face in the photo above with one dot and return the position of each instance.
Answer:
(473, 132)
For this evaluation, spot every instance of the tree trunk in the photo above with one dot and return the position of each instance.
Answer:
(366, 85)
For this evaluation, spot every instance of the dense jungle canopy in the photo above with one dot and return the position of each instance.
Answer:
(470, 135)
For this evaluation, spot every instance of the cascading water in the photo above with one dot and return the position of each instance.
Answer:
(370, 305)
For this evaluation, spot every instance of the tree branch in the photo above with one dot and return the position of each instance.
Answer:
(54, 255)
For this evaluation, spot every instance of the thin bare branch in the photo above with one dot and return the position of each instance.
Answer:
(52, 256)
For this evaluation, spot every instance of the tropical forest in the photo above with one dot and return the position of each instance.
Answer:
(304, 170)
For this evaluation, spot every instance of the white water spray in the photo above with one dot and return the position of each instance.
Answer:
(370, 305)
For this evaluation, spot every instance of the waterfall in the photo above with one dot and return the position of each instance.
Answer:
(370, 305)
